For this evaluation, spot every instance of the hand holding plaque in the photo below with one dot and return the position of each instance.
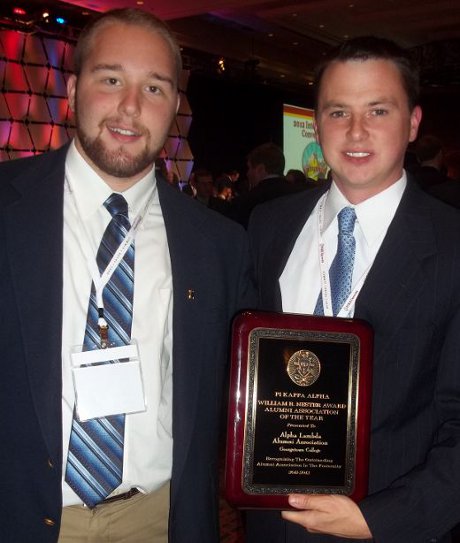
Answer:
(299, 408)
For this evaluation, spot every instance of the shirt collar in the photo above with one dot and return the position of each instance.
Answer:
(374, 215)
(91, 191)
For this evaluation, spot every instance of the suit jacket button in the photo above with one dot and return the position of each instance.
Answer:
(49, 522)
(190, 294)
(50, 464)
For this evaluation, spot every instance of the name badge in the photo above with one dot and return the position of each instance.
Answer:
(107, 382)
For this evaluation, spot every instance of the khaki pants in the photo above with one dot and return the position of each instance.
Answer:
(141, 519)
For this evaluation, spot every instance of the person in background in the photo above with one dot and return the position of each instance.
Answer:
(399, 256)
(299, 179)
(430, 155)
(266, 181)
(223, 190)
(449, 191)
(222, 201)
(203, 184)
(97, 250)
(231, 176)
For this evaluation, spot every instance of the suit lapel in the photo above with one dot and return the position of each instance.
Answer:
(190, 276)
(397, 275)
(34, 226)
(276, 256)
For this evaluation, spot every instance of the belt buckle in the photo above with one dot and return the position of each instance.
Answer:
(123, 496)
(118, 497)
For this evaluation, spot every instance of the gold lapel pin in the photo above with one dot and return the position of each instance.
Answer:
(190, 294)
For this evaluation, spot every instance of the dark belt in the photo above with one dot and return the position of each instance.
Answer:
(118, 497)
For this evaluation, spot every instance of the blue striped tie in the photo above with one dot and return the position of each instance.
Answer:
(95, 460)
(341, 270)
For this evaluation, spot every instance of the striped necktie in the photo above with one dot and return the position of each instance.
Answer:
(95, 460)
(341, 270)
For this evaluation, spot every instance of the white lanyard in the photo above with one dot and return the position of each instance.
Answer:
(349, 303)
(100, 280)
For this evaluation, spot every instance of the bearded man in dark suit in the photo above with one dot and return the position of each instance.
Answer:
(189, 268)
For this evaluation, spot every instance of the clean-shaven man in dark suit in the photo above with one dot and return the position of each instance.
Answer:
(188, 283)
(405, 283)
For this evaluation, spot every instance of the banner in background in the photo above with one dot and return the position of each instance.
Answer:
(300, 148)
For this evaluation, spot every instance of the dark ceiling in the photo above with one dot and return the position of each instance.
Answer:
(279, 41)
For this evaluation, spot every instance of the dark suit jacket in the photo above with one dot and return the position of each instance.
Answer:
(411, 298)
(31, 254)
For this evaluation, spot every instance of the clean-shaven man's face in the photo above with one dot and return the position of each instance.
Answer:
(364, 124)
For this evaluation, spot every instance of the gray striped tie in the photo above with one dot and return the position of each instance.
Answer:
(95, 460)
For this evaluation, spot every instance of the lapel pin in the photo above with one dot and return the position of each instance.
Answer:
(190, 294)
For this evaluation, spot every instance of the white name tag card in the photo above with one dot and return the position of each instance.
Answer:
(104, 386)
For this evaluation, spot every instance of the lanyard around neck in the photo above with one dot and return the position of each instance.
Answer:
(348, 306)
(101, 279)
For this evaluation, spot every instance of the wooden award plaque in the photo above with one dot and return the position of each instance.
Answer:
(299, 408)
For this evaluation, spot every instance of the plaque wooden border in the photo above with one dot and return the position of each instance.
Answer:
(249, 328)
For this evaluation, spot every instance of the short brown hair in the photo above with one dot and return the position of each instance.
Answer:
(373, 48)
(129, 16)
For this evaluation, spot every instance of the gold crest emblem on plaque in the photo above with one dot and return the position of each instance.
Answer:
(304, 368)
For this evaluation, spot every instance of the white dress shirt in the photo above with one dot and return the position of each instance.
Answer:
(148, 435)
(300, 282)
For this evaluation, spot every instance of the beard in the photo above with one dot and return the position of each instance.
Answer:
(117, 163)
